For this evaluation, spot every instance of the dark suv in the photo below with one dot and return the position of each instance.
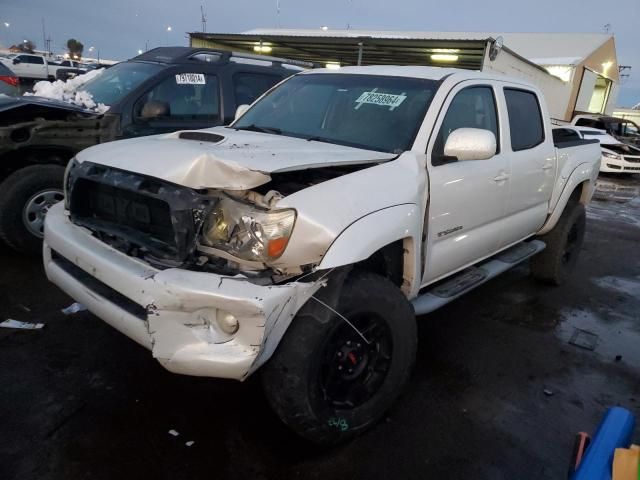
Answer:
(162, 90)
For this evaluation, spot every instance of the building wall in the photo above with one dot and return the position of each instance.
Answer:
(602, 61)
(556, 92)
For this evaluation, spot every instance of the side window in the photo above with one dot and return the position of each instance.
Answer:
(249, 86)
(182, 97)
(525, 119)
(585, 122)
(37, 60)
(23, 58)
(473, 107)
(564, 135)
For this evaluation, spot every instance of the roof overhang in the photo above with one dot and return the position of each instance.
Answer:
(347, 49)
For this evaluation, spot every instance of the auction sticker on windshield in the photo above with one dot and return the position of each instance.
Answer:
(190, 79)
(382, 99)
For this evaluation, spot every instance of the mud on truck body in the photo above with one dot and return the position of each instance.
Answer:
(162, 90)
(303, 239)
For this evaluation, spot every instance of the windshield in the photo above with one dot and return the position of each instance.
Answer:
(379, 113)
(119, 80)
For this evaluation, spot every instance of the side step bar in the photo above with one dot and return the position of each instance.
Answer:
(475, 276)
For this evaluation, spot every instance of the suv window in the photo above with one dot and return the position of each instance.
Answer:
(473, 107)
(187, 96)
(35, 60)
(249, 86)
(525, 119)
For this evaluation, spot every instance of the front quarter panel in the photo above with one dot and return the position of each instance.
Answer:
(327, 209)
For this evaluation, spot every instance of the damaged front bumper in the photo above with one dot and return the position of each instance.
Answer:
(172, 312)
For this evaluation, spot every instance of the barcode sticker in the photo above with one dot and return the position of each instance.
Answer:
(190, 79)
(382, 99)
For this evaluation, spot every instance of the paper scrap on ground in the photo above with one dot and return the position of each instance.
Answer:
(73, 308)
(173, 432)
(10, 323)
(189, 443)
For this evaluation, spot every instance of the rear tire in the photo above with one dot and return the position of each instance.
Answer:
(556, 262)
(324, 381)
(25, 197)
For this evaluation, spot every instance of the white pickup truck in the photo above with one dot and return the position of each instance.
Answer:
(306, 237)
(30, 66)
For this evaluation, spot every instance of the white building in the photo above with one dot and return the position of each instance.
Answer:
(578, 72)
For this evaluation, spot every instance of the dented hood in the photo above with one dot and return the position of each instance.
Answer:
(225, 158)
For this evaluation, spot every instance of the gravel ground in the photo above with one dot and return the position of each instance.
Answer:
(498, 390)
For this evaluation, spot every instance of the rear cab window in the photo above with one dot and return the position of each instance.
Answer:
(525, 119)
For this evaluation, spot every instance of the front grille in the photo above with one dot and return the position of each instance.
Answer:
(139, 215)
(632, 159)
(100, 288)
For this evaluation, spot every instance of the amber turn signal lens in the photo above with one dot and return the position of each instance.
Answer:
(277, 246)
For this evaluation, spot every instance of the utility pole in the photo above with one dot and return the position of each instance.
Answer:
(204, 19)
(44, 36)
(278, 13)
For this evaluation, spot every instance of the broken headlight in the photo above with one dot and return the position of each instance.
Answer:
(613, 156)
(248, 232)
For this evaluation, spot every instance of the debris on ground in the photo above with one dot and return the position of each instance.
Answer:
(173, 432)
(547, 392)
(584, 339)
(618, 358)
(24, 307)
(73, 308)
(189, 443)
(11, 323)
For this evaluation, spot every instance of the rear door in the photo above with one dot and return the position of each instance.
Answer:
(467, 199)
(532, 160)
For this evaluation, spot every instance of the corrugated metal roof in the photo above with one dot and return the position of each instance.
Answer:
(529, 45)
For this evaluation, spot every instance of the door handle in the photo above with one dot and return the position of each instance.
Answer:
(502, 177)
(547, 166)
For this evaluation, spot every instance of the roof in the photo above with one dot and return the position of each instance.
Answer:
(172, 55)
(430, 73)
(383, 49)
(531, 45)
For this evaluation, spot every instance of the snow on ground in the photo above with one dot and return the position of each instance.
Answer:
(70, 91)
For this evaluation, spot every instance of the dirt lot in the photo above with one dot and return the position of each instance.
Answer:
(498, 390)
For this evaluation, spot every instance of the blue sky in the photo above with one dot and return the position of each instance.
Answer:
(118, 28)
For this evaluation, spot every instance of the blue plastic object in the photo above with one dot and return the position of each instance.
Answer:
(615, 431)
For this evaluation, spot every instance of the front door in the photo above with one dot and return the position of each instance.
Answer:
(467, 199)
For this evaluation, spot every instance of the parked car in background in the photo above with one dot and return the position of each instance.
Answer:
(162, 90)
(617, 156)
(623, 129)
(304, 238)
(30, 66)
(8, 81)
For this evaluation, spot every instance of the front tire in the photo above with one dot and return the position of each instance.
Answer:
(326, 382)
(25, 197)
(556, 262)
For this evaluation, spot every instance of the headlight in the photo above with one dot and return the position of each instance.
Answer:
(614, 156)
(73, 163)
(247, 232)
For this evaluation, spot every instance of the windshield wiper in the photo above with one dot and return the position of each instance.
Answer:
(255, 128)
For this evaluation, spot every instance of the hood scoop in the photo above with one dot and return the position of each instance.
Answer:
(201, 137)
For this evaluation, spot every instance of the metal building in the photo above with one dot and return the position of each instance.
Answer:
(578, 72)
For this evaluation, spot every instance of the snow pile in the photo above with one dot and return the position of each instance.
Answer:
(70, 91)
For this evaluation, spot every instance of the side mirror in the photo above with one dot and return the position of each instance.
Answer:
(470, 144)
(241, 111)
(16, 61)
(154, 109)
